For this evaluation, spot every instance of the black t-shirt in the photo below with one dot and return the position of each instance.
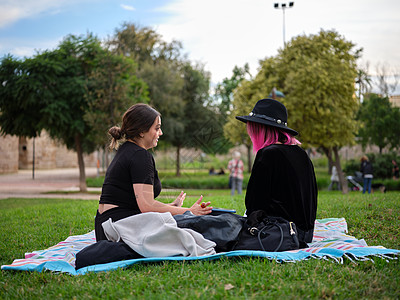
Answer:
(131, 164)
(283, 183)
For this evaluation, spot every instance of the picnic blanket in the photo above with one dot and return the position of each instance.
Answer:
(330, 242)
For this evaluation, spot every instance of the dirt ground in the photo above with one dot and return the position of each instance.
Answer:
(45, 184)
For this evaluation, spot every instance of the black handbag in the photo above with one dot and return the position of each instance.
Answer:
(266, 233)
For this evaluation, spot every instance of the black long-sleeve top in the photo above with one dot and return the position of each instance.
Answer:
(283, 183)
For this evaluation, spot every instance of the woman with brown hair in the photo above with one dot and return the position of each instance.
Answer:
(131, 183)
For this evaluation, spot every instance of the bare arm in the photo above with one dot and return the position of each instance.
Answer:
(146, 202)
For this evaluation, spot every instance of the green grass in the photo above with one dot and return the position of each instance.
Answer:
(34, 224)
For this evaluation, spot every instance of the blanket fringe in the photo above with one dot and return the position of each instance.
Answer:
(349, 258)
(387, 257)
(353, 258)
(326, 257)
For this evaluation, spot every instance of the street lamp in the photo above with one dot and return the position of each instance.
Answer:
(283, 6)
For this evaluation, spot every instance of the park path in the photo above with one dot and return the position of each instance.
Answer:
(46, 184)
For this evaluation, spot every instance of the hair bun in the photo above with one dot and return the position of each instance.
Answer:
(115, 132)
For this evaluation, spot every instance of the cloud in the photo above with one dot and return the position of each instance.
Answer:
(127, 7)
(223, 33)
(27, 47)
(11, 11)
(226, 33)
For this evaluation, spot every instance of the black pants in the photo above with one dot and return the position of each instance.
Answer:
(116, 213)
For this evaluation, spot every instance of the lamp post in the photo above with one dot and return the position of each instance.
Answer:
(283, 6)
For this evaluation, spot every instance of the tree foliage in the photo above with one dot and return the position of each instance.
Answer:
(317, 74)
(177, 88)
(363, 81)
(111, 88)
(245, 97)
(225, 89)
(380, 123)
(58, 91)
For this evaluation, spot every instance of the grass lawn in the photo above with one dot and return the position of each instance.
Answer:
(34, 224)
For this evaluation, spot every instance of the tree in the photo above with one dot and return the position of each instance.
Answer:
(111, 88)
(178, 89)
(223, 100)
(235, 130)
(224, 90)
(56, 90)
(317, 74)
(245, 96)
(363, 81)
(25, 88)
(159, 67)
(387, 79)
(199, 125)
(144, 45)
(394, 136)
(380, 121)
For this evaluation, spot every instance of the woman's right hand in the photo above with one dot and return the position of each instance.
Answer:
(200, 208)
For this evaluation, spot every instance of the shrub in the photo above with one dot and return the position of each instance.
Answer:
(391, 185)
(323, 183)
(193, 181)
(382, 164)
(95, 181)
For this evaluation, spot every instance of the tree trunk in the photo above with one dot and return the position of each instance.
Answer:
(249, 158)
(81, 163)
(328, 153)
(342, 179)
(178, 167)
(106, 153)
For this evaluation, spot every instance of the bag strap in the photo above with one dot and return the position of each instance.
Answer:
(280, 242)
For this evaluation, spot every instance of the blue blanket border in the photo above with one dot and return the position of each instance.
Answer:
(287, 256)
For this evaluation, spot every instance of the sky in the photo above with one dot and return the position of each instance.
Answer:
(217, 33)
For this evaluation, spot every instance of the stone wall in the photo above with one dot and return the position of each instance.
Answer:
(19, 153)
(49, 154)
(8, 154)
(395, 100)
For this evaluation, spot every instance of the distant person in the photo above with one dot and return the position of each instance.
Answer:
(221, 171)
(334, 180)
(282, 181)
(235, 167)
(367, 173)
(131, 183)
(395, 170)
(211, 171)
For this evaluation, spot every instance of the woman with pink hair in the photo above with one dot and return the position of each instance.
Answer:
(282, 181)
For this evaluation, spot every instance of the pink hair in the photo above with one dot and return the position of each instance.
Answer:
(263, 136)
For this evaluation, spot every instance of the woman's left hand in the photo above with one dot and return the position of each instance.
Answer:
(179, 200)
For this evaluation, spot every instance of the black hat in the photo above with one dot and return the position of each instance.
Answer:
(269, 112)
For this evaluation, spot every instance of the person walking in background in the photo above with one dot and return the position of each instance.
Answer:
(395, 170)
(334, 180)
(235, 167)
(367, 171)
(282, 181)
